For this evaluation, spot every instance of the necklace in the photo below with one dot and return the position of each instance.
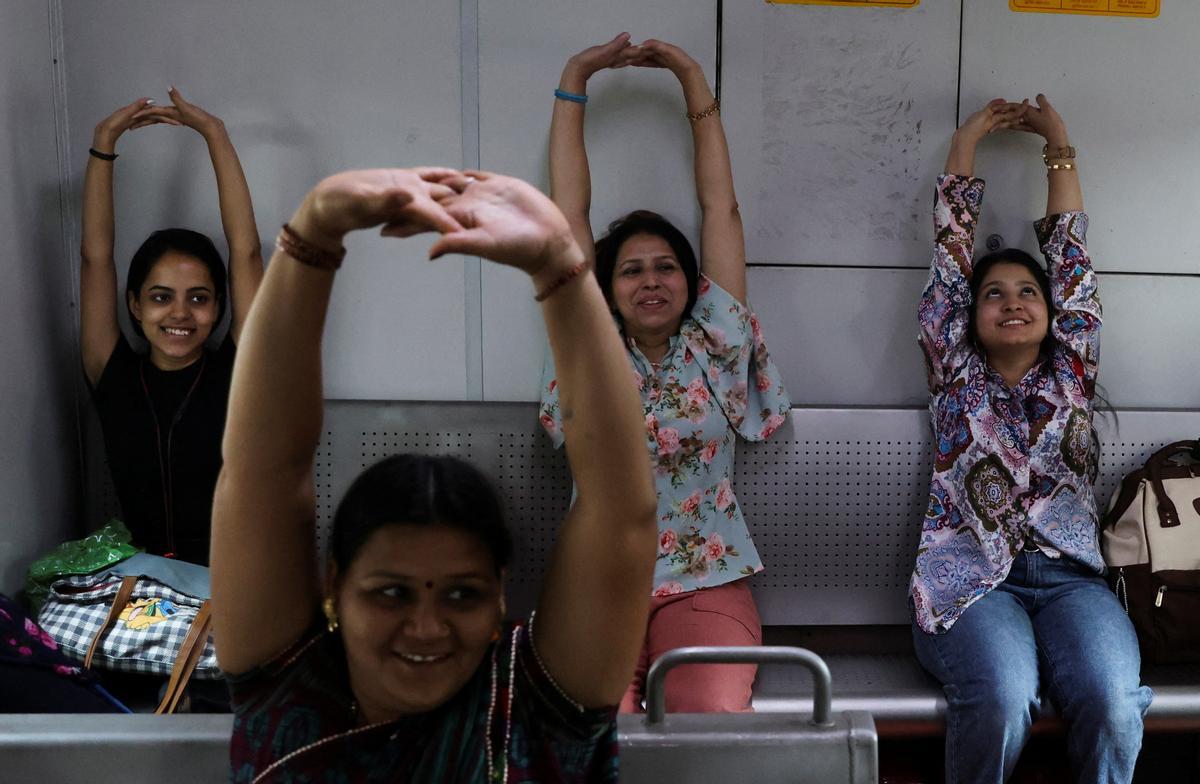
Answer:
(501, 775)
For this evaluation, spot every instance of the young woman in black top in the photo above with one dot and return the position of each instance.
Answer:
(163, 411)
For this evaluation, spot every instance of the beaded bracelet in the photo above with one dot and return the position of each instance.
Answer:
(714, 108)
(563, 95)
(305, 252)
(562, 280)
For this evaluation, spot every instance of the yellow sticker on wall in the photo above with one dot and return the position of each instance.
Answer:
(1144, 9)
(852, 3)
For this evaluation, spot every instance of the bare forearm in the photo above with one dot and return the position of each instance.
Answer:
(275, 402)
(570, 177)
(237, 209)
(98, 232)
(714, 176)
(961, 158)
(1064, 193)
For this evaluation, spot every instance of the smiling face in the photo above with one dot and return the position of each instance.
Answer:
(649, 288)
(418, 608)
(1010, 310)
(177, 309)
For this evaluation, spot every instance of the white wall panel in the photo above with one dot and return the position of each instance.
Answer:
(1128, 92)
(638, 140)
(839, 119)
(306, 89)
(842, 337)
(848, 337)
(39, 466)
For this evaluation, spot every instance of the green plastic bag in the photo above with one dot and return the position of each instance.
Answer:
(103, 547)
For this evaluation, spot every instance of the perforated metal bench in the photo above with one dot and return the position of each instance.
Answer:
(833, 502)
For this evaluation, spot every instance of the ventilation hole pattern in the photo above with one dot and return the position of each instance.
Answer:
(534, 481)
(323, 473)
(1118, 458)
(836, 513)
(378, 444)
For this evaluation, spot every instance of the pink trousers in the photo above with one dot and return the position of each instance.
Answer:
(722, 615)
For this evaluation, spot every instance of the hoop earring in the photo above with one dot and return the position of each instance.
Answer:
(331, 619)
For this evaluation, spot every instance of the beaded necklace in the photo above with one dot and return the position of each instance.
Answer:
(501, 775)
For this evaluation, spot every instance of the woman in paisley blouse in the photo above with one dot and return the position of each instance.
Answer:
(402, 667)
(702, 370)
(1007, 594)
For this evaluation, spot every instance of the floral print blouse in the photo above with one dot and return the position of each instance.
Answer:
(1010, 465)
(715, 380)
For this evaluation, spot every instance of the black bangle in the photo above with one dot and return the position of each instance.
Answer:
(104, 156)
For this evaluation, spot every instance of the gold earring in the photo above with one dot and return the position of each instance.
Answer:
(331, 619)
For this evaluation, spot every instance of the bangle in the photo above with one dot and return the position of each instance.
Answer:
(1060, 166)
(714, 108)
(563, 95)
(305, 252)
(562, 280)
(104, 156)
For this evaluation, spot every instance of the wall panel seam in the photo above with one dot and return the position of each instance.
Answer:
(473, 269)
(66, 210)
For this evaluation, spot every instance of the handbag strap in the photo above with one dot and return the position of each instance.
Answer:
(187, 658)
(119, 602)
(1168, 515)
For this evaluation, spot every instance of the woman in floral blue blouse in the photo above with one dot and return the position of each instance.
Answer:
(701, 368)
(1007, 594)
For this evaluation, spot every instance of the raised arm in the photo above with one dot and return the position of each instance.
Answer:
(946, 301)
(1062, 235)
(1064, 193)
(237, 210)
(264, 570)
(722, 241)
(570, 177)
(596, 592)
(98, 326)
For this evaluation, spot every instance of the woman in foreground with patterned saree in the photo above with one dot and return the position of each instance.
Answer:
(402, 666)
(702, 371)
(1007, 595)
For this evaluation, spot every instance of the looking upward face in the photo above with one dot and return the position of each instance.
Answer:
(1010, 310)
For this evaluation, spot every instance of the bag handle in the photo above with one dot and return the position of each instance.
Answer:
(656, 693)
(124, 593)
(1168, 515)
(187, 659)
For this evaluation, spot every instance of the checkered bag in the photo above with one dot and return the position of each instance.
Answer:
(130, 624)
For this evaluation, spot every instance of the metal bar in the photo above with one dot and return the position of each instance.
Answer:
(656, 696)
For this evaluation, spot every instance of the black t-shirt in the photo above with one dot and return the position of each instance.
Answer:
(162, 434)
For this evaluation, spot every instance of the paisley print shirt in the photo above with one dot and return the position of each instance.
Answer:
(1009, 464)
(715, 380)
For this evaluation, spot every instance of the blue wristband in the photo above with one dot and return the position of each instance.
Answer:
(572, 97)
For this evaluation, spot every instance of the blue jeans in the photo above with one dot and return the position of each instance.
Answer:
(1055, 624)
